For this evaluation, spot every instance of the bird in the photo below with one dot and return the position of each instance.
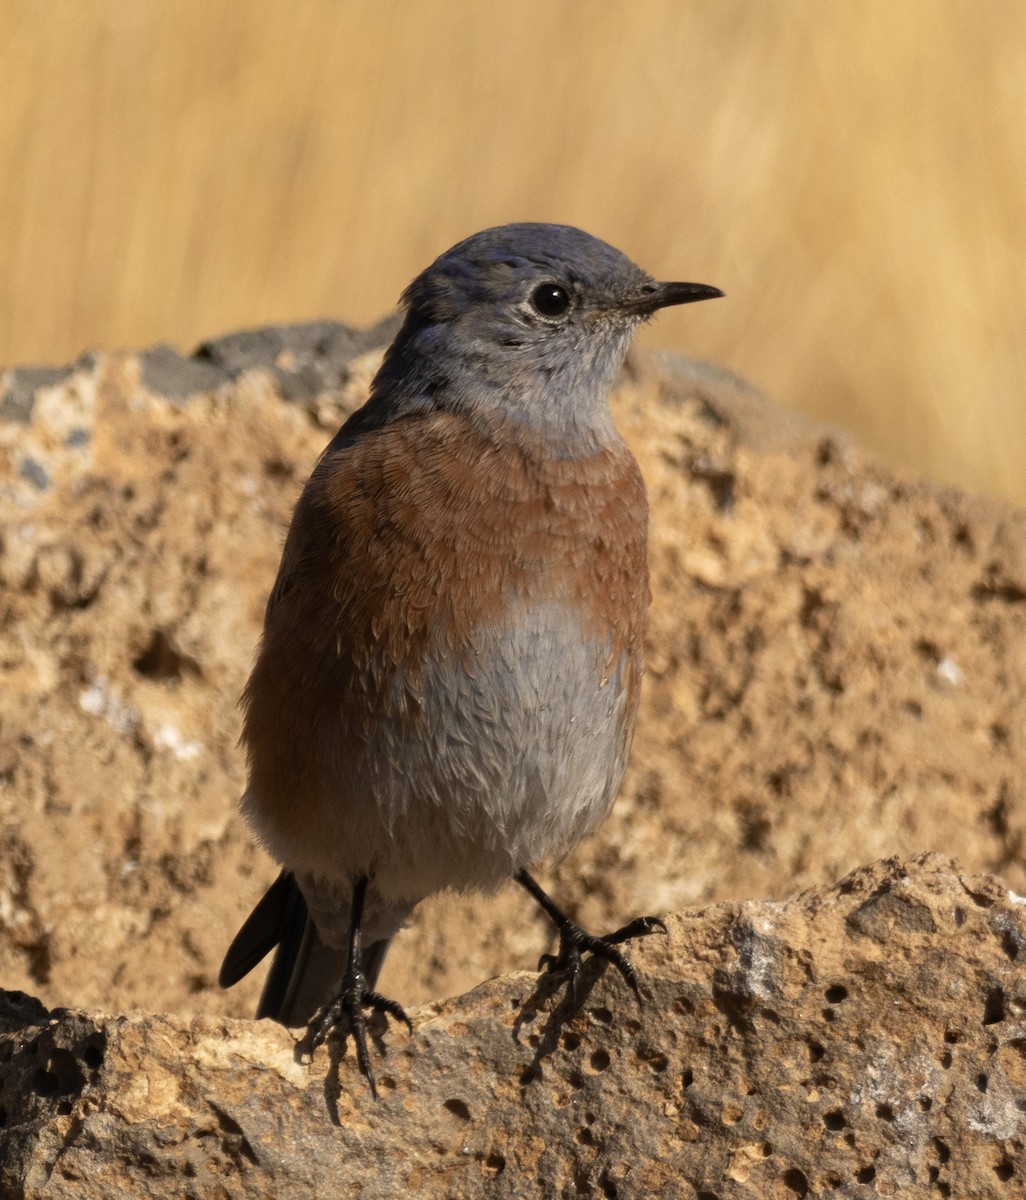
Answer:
(447, 684)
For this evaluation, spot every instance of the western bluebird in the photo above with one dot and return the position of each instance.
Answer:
(446, 688)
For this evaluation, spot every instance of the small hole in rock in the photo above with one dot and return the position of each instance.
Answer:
(458, 1109)
(599, 1060)
(816, 1051)
(1004, 1171)
(688, 1078)
(945, 1060)
(994, 1006)
(834, 1120)
(836, 994)
(278, 468)
(796, 1181)
(608, 1187)
(571, 1041)
(602, 1015)
(44, 1083)
(495, 1163)
(162, 661)
(866, 1175)
(884, 1112)
(1011, 943)
(952, 1037)
(943, 1152)
(982, 1081)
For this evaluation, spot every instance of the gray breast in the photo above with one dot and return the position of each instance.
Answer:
(514, 754)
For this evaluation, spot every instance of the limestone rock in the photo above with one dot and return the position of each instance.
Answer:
(867, 1039)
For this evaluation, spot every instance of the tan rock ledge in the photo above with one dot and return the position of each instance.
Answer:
(867, 1039)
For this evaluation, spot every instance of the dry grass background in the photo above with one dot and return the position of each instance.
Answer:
(853, 174)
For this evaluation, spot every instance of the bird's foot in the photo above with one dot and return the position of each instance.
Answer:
(346, 1014)
(574, 941)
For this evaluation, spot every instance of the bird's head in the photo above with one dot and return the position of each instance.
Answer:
(529, 322)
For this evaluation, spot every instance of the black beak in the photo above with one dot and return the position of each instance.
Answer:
(654, 296)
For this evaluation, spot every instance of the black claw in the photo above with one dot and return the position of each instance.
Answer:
(393, 1008)
(345, 1012)
(639, 927)
(574, 941)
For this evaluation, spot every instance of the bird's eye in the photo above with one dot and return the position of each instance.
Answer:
(550, 299)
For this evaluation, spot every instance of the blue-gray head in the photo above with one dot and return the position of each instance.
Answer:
(528, 323)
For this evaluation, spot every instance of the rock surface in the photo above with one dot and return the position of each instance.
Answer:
(866, 1039)
(837, 668)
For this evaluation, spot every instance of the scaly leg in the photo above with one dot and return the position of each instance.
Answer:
(346, 1009)
(573, 940)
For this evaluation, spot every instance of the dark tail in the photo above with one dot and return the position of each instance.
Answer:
(305, 974)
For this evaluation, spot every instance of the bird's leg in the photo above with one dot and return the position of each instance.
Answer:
(573, 940)
(353, 997)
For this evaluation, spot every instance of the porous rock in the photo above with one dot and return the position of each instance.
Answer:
(867, 1039)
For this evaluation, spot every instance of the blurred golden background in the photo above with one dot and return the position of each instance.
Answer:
(852, 174)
